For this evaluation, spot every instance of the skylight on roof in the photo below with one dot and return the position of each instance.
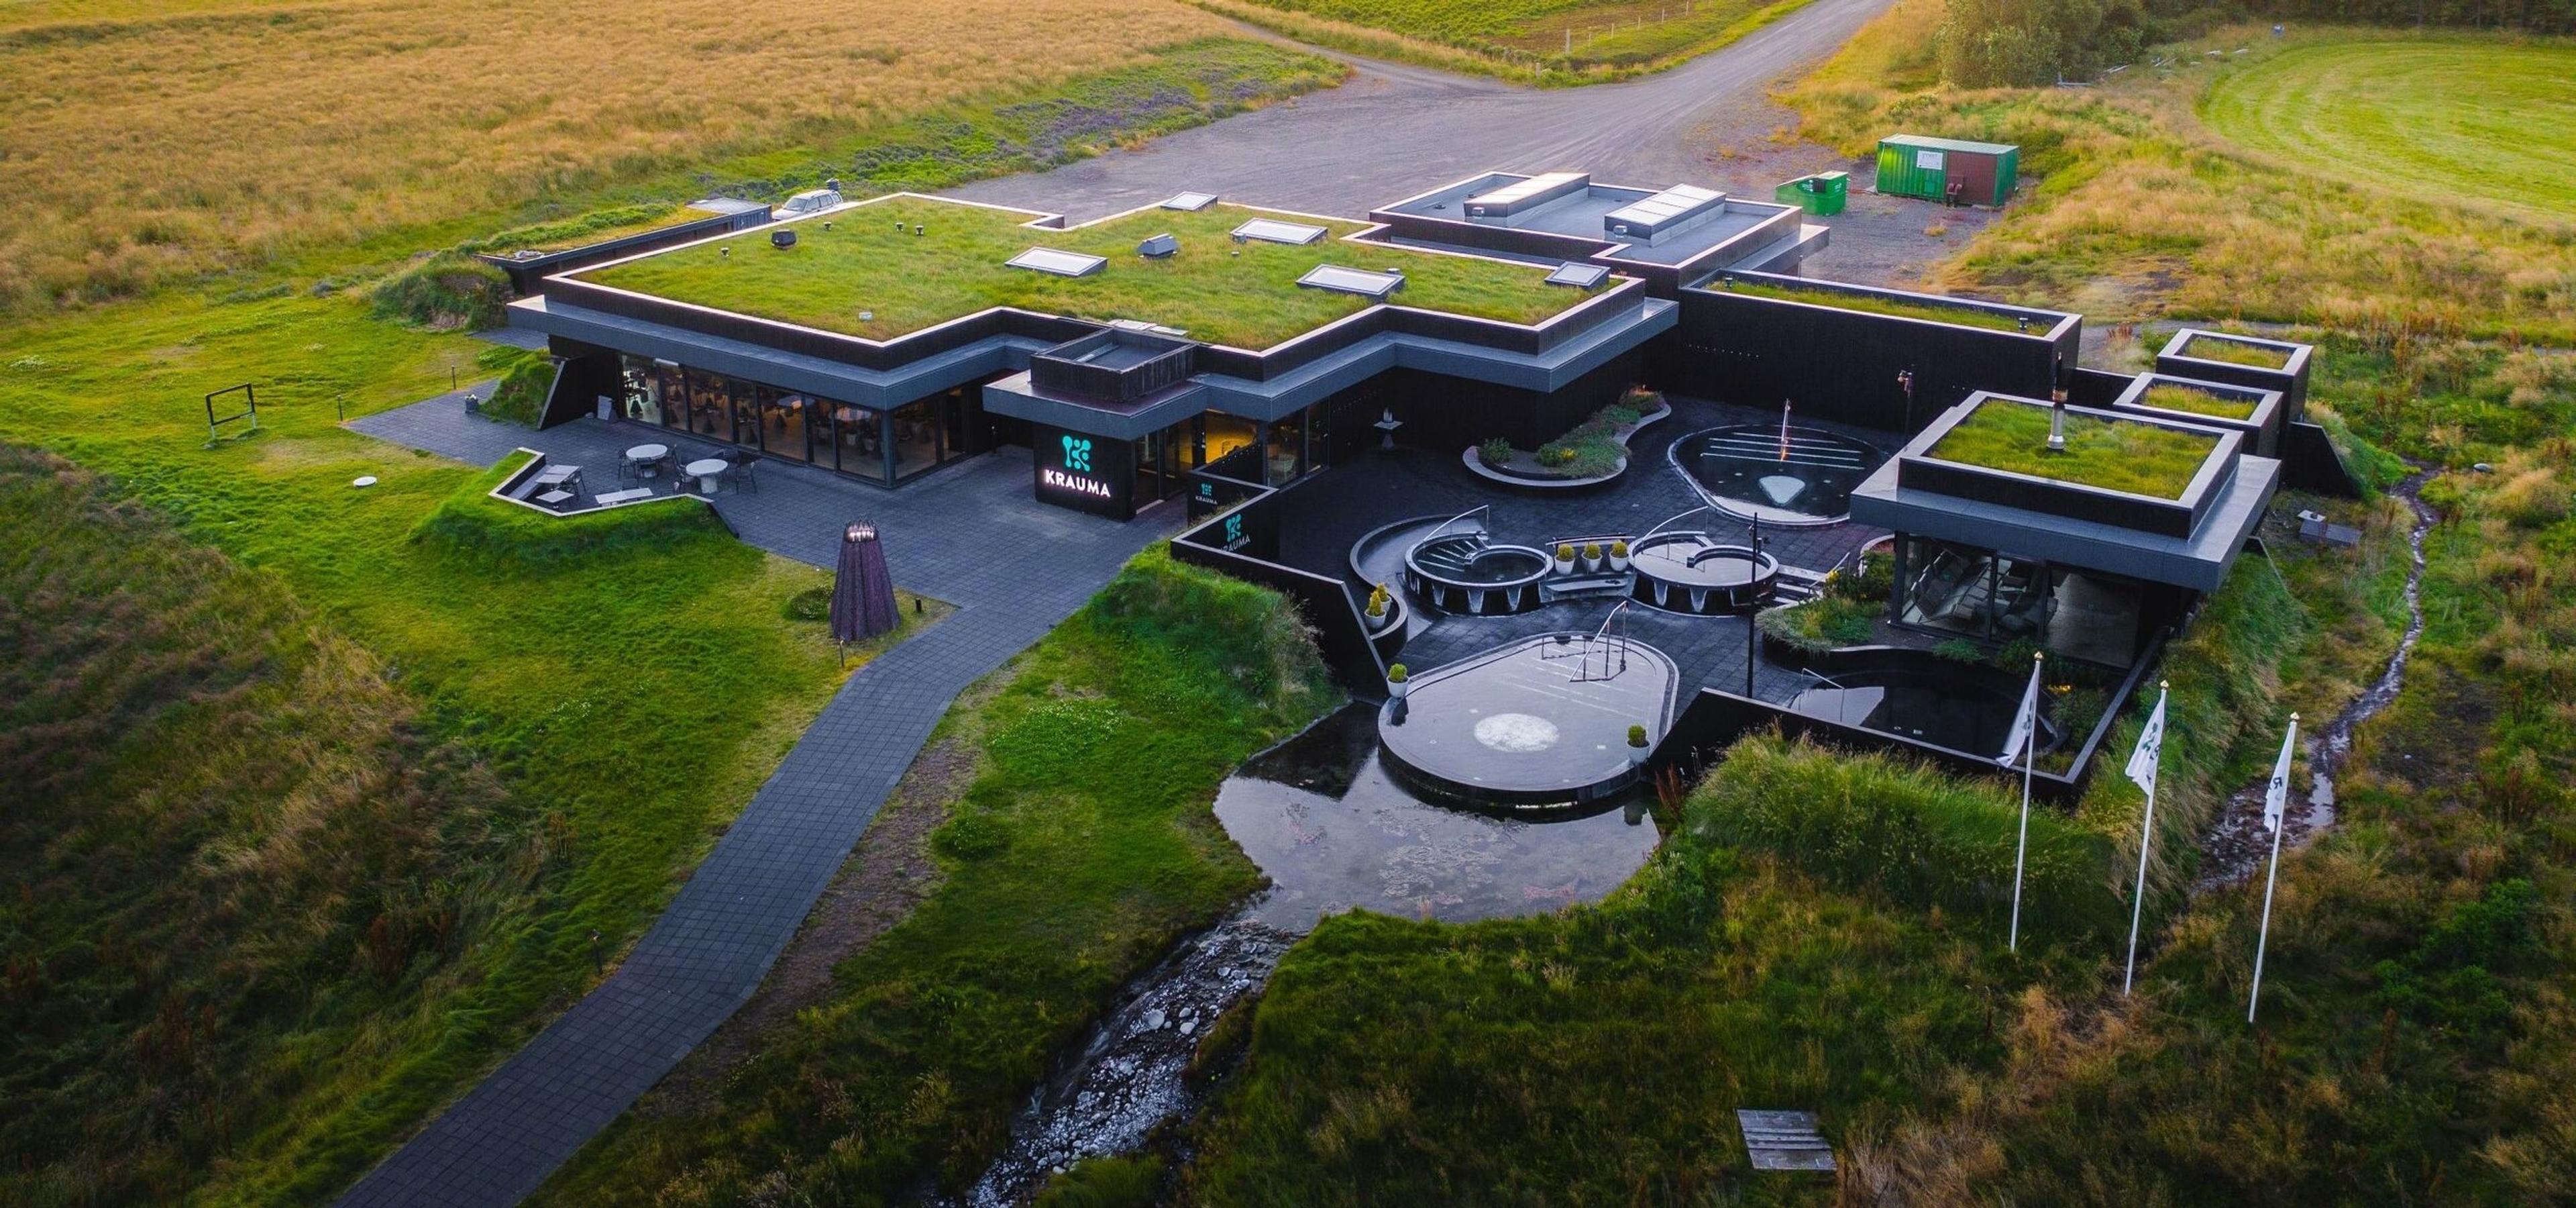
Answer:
(1352, 281)
(1544, 184)
(1662, 212)
(1271, 230)
(1578, 274)
(1061, 264)
(1189, 201)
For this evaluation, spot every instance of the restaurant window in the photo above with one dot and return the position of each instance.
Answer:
(1287, 450)
(1230, 447)
(858, 441)
(710, 410)
(647, 384)
(783, 420)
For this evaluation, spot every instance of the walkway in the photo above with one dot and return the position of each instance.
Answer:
(973, 537)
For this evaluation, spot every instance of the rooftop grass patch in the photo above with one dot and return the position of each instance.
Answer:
(2235, 352)
(1903, 308)
(2169, 396)
(598, 226)
(2114, 455)
(1242, 295)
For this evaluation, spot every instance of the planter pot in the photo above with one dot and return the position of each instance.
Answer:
(1637, 756)
(1565, 566)
(1619, 563)
(1395, 689)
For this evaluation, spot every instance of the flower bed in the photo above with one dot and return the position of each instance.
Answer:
(1595, 450)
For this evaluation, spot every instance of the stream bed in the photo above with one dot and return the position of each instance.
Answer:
(2235, 845)
(1332, 831)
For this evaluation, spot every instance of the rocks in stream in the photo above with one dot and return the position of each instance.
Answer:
(1130, 1074)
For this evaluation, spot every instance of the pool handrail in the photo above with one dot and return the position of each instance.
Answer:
(1705, 507)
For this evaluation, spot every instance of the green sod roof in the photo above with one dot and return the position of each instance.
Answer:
(2113, 454)
(955, 268)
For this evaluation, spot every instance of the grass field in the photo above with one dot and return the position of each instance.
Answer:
(2459, 120)
(1539, 41)
(141, 145)
(2115, 455)
(620, 699)
(1247, 296)
(1078, 843)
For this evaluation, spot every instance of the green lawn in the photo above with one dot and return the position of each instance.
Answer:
(1965, 316)
(2435, 119)
(1083, 847)
(2167, 396)
(956, 268)
(623, 698)
(2115, 455)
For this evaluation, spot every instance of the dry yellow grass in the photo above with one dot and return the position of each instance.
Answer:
(136, 146)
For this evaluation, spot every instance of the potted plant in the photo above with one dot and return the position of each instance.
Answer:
(1591, 556)
(1395, 677)
(1637, 747)
(1619, 556)
(1565, 559)
(1379, 600)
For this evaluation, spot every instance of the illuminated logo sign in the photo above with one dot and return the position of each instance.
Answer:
(1075, 483)
(1077, 454)
(1234, 538)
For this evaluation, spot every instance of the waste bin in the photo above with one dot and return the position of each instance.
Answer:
(1820, 194)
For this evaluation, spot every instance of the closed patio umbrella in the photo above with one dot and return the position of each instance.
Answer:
(862, 592)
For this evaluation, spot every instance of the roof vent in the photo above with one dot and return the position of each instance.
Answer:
(1058, 263)
(1158, 247)
(1362, 282)
(1271, 230)
(782, 238)
(1578, 274)
(1189, 201)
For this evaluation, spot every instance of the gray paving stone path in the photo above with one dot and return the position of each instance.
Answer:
(970, 535)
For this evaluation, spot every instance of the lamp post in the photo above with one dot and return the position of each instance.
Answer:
(1905, 382)
(1752, 630)
(2057, 420)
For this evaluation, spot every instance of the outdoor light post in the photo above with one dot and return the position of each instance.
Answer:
(2057, 420)
(1905, 382)
(1752, 629)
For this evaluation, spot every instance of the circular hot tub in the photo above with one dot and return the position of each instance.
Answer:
(1693, 573)
(1467, 573)
(1792, 477)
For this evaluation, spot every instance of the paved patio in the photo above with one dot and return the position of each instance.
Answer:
(971, 535)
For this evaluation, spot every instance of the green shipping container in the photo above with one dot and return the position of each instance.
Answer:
(1947, 170)
(1820, 194)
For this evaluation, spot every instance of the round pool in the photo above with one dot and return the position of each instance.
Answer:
(1691, 572)
(1793, 477)
(1468, 573)
(1925, 698)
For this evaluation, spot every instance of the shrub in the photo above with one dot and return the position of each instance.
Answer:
(811, 604)
(1494, 452)
(1592, 550)
(1820, 624)
(1618, 549)
(1636, 736)
(1396, 674)
(445, 292)
(1871, 579)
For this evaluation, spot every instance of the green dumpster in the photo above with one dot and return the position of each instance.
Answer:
(1820, 194)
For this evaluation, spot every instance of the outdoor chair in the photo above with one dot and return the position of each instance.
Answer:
(743, 472)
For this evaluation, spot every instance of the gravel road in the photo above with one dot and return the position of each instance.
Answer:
(1394, 130)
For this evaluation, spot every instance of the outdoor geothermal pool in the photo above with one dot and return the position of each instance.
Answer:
(1333, 830)
(1790, 476)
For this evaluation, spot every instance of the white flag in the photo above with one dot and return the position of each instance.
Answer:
(2023, 720)
(2151, 746)
(2276, 795)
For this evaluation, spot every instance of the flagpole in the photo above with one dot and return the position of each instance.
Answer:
(2263, 938)
(2021, 848)
(2146, 836)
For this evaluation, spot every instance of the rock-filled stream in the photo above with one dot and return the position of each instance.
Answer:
(2235, 845)
(1332, 831)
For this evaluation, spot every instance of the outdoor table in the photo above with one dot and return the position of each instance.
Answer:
(647, 458)
(705, 470)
